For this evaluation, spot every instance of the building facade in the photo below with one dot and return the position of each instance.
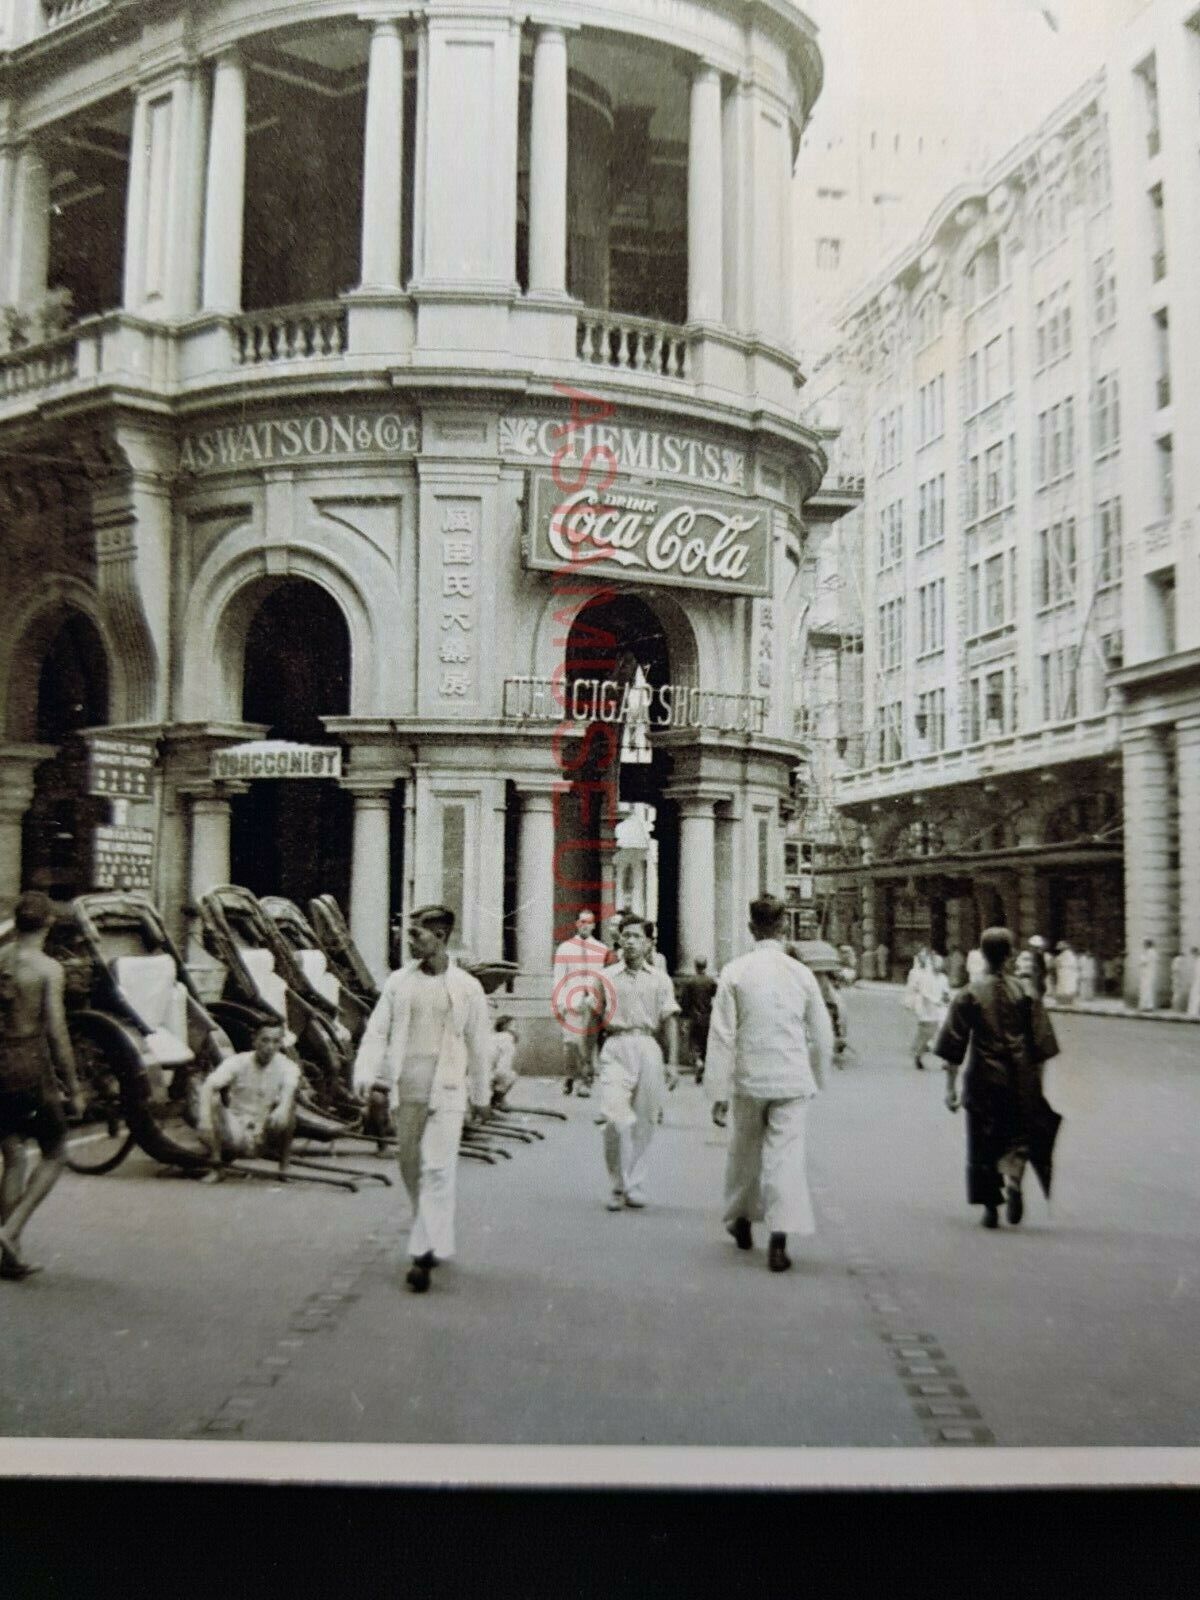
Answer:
(984, 366)
(398, 382)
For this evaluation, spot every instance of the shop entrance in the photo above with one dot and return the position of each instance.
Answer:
(618, 835)
(71, 692)
(293, 836)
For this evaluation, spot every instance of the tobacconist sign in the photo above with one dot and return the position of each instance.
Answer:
(276, 758)
(691, 538)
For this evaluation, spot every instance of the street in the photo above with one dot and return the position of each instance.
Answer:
(174, 1310)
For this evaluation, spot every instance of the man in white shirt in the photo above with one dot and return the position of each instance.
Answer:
(248, 1105)
(770, 1046)
(428, 1044)
(576, 961)
(637, 1057)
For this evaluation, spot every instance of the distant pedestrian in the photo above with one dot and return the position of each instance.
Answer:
(34, 1046)
(1180, 975)
(1041, 968)
(657, 960)
(976, 965)
(1005, 1038)
(956, 968)
(638, 1056)
(1066, 975)
(696, 1001)
(925, 997)
(770, 1050)
(427, 1045)
(882, 969)
(576, 960)
(1148, 976)
(1087, 976)
(501, 1070)
(1193, 1005)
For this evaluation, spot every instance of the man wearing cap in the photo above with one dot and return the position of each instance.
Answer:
(427, 1044)
(34, 1042)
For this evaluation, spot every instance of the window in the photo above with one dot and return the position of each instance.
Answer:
(1012, 467)
(929, 319)
(1099, 177)
(1160, 613)
(891, 635)
(1056, 442)
(931, 617)
(891, 438)
(1166, 476)
(1053, 332)
(1058, 677)
(1104, 290)
(1108, 542)
(891, 534)
(973, 382)
(971, 513)
(993, 478)
(891, 735)
(993, 370)
(1054, 550)
(973, 599)
(931, 410)
(993, 592)
(987, 264)
(931, 719)
(931, 512)
(1106, 416)
(829, 255)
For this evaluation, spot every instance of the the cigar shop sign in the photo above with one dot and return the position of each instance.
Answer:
(691, 538)
(276, 758)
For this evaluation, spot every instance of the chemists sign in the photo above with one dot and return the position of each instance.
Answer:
(693, 539)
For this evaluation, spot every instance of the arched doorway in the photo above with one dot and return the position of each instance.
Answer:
(293, 836)
(618, 650)
(71, 693)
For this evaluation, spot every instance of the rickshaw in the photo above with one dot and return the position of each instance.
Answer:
(826, 965)
(353, 1006)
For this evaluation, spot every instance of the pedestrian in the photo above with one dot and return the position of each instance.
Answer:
(503, 1049)
(34, 1047)
(427, 1044)
(1147, 976)
(956, 968)
(976, 965)
(657, 960)
(576, 960)
(1037, 945)
(923, 997)
(1066, 975)
(638, 1056)
(248, 1104)
(1193, 1005)
(697, 1004)
(882, 968)
(1087, 976)
(1180, 981)
(770, 1050)
(1005, 1038)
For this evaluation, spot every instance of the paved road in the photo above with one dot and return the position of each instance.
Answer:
(176, 1310)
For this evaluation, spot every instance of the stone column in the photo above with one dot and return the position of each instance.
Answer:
(548, 165)
(135, 206)
(29, 234)
(535, 883)
(1027, 904)
(705, 210)
(18, 763)
(697, 880)
(210, 843)
(867, 891)
(371, 877)
(1148, 908)
(383, 171)
(1187, 771)
(225, 191)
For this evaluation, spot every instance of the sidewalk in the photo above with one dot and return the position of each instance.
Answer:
(1090, 1008)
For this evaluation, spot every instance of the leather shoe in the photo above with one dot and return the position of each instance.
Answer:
(1014, 1204)
(635, 1202)
(417, 1278)
(18, 1271)
(991, 1216)
(777, 1257)
(616, 1200)
(739, 1231)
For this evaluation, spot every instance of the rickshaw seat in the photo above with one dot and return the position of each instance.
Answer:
(152, 987)
(260, 964)
(315, 966)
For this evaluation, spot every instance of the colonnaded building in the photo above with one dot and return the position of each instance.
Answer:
(304, 303)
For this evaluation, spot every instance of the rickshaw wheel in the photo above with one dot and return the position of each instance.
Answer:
(105, 1139)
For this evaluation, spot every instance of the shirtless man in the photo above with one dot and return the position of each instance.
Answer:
(34, 1042)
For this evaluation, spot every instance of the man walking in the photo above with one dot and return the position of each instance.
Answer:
(428, 1044)
(576, 961)
(1005, 1037)
(697, 1000)
(770, 1047)
(638, 1055)
(34, 1042)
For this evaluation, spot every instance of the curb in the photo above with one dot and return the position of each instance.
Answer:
(1113, 1008)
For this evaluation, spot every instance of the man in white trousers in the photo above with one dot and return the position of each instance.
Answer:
(428, 1044)
(770, 1046)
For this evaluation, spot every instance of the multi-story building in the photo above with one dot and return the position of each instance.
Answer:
(314, 313)
(985, 363)
(1154, 107)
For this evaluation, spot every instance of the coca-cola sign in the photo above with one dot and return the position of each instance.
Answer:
(696, 540)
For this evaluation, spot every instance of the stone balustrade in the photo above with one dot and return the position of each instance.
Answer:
(633, 344)
(58, 13)
(38, 368)
(289, 333)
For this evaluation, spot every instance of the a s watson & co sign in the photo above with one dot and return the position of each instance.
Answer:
(695, 539)
(311, 436)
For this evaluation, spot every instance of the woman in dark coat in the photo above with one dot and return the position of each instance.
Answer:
(1005, 1037)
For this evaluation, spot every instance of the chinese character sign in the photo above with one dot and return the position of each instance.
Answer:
(458, 644)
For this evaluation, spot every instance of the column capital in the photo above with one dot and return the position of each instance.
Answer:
(704, 70)
(547, 24)
(387, 24)
(698, 801)
(229, 55)
(537, 794)
(370, 792)
(1188, 726)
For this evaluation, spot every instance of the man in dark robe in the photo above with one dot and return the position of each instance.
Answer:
(1005, 1037)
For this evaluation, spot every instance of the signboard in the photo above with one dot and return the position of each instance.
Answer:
(122, 858)
(646, 452)
(276, 758)
(299, 436)
(120, 769)
(690, 539)
(667, 705)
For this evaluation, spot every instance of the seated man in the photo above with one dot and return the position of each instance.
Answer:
(259, 1117)
(503, 1048)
